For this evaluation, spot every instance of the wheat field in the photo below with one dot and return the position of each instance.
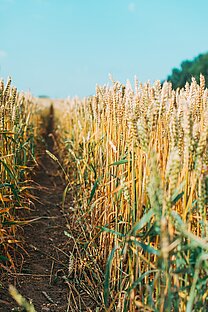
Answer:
(18, 131)
(135, 159)
(138, 162)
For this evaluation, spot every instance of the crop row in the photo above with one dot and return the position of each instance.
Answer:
(137, 159)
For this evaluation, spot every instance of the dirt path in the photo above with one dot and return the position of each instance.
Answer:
(41, 277)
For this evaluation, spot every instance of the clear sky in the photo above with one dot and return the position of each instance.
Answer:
(65, 47)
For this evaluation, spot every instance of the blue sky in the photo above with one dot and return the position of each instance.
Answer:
(65, 47)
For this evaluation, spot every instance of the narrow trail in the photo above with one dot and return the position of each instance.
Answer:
(40, 277)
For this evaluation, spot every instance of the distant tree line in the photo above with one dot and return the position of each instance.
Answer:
(189, 69)
(43, 96)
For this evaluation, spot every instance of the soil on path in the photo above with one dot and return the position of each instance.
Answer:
(41, 276)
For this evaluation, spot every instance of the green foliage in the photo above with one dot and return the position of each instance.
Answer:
(189, 69)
